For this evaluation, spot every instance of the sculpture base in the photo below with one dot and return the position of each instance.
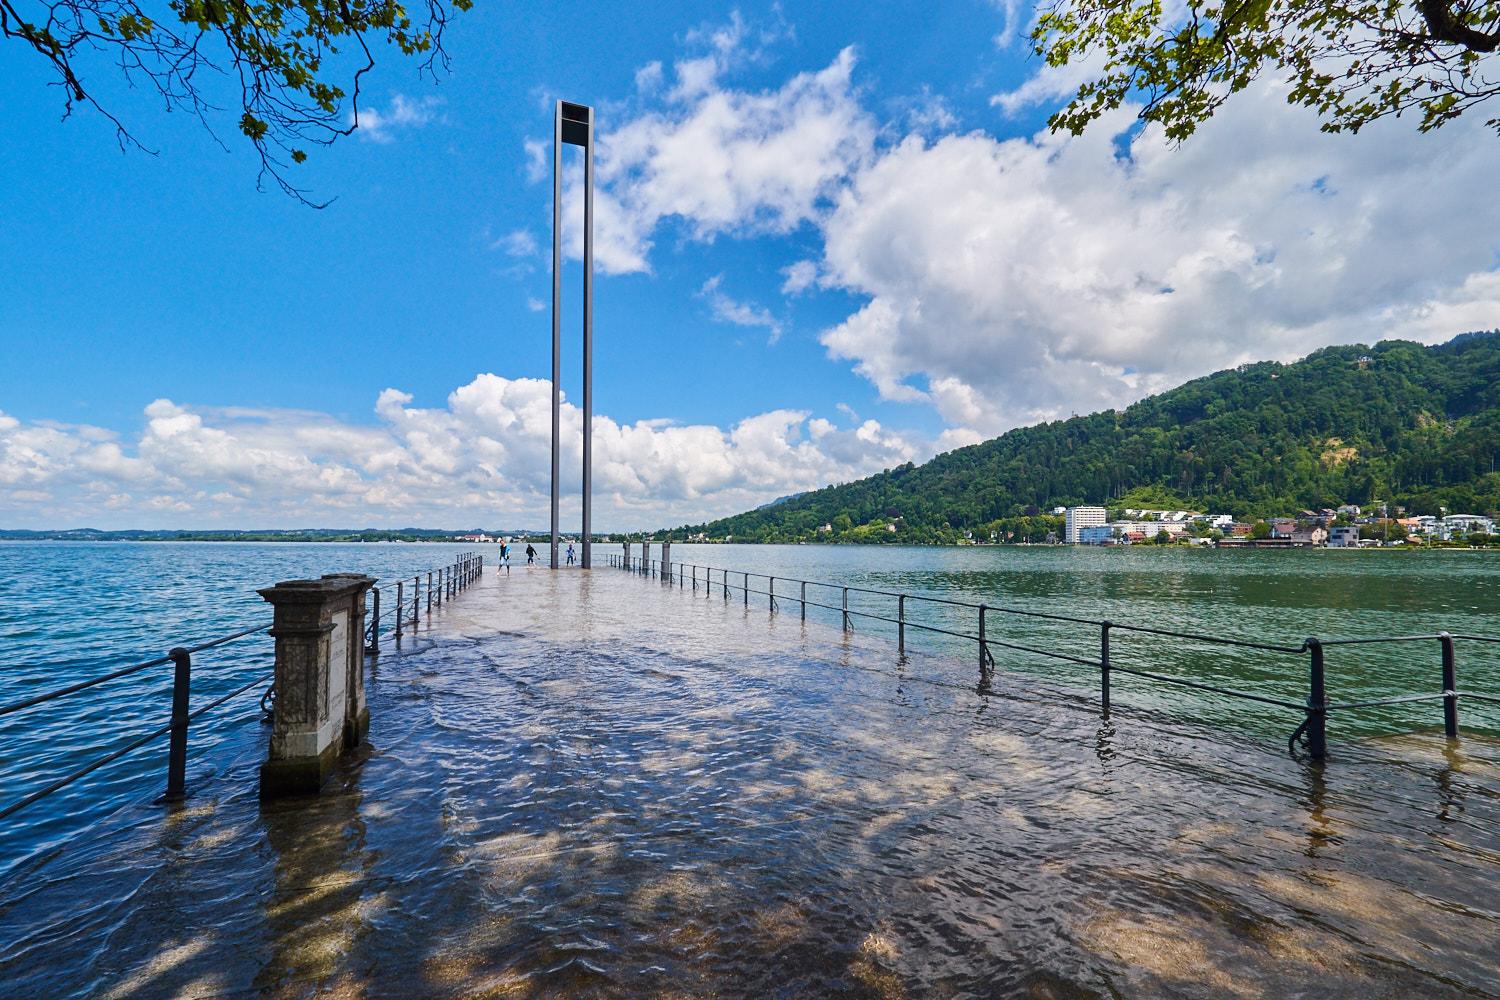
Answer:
(356, 729)
(291, 776)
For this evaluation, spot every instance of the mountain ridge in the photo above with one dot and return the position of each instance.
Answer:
(1400, 422)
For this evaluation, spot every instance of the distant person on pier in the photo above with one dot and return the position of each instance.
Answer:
(570, 553)
(530, 555)
(504, 559)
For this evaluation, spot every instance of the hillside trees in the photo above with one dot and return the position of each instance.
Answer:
(1417, 426)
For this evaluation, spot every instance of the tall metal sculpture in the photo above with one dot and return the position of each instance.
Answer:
(573, 123)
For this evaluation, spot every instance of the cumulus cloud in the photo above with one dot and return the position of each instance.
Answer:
(799, 277)
(1013, 281)
(1005, 281)
(403, 112)
(484, 456)
(721, 161)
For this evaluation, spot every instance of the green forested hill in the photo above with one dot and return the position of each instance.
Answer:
(1413, 425)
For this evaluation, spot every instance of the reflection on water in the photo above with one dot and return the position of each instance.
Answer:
(589, 785)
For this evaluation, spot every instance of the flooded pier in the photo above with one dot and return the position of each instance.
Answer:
(587, 784)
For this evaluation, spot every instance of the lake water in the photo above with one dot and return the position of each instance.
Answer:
(1278, 597)
(593, 785)
(69, 611)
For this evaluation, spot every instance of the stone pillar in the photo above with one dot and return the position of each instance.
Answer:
(646, 557)
(666, 560)
(319, 628)
(627, 555)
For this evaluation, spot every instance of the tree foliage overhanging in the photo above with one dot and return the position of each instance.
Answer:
(1399, 422)
(1352, 62)
(290, 64)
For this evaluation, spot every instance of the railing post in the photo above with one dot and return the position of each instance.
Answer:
(400, 607)
(771, 600)
(416, 600)
(182, 676)
(804, 600)
(374, 647)
(984, 668)
(429, 593)
(1450, 688)
(901, 625)
(1104, 627)
(846, 609)
(747, 590)
(726, 586)
(442, 586)
(1317, 704)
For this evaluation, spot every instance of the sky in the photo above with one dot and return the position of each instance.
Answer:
(828, 240)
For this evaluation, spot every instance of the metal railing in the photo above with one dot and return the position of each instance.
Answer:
(444, 582)
(1315, 710)
(182, 661)
(451, 580)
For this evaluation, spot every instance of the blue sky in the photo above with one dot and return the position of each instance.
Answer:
(830, 240)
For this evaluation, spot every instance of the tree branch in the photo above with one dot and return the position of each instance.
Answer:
(1445, 27)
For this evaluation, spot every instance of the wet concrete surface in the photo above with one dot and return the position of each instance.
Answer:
(590, 785)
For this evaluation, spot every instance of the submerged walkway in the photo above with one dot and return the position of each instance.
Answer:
(589, 785)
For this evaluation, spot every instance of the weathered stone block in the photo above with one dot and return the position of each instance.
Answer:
(320, 688)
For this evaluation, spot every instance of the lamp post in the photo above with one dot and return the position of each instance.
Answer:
(573, 123)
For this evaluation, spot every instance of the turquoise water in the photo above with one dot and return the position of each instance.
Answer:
(1277, 597)
(70, 611)
(595, 786)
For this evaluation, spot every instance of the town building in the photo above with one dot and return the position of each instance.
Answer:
(1467, 523)
(1343, 536)
(1078, 518)
(1129, 532)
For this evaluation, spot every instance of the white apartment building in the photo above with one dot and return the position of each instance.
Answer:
(1079, 518)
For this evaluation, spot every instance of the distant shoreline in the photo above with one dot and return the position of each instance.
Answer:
(543, 537)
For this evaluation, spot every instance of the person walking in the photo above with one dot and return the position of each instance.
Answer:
(570, 553)
(504, 558)
(530, 555)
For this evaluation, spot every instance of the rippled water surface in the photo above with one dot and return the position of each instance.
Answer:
(591, 785)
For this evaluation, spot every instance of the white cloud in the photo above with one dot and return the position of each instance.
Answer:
(723, 162)
(649, 76)
(484, 456)
(403, 112)
(1010, 29)
(519, 243)
(799, 277)
(1050, 84)
(1014, 281)
(534, 304)
(1005, 282)
(728, 310)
